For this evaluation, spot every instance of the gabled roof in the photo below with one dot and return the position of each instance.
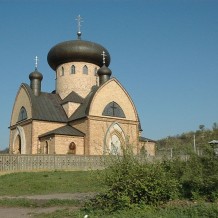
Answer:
(73, 97)
(143, 139)
(64, 130)
(46, 106)
(83, 109)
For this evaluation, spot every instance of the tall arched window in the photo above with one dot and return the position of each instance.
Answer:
(46, 147)
(113, 110)
(22, 114)
(85, 70)
(95, 71)
(62, 71)
(73, 69)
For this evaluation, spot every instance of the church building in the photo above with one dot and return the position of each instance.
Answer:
(89, 113)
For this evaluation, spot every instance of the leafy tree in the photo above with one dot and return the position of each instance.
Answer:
(215, 126)
(202, 127)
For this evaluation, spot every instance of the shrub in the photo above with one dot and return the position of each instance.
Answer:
(131, 182)
(199, 176)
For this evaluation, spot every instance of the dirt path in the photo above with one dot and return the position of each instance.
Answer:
(22, 212)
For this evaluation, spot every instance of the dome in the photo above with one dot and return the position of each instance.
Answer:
(35, 75)
(104, 71)
(76, 51)
(104, 74)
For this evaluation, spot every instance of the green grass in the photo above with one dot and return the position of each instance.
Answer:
(191, 211)
(32, 183)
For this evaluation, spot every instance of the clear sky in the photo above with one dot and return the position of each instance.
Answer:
(164, 52)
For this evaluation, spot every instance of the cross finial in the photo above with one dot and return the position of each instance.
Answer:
(36, 62)
(103, 55)
(79, 21)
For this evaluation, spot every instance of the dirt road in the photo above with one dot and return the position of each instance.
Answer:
(22, 212)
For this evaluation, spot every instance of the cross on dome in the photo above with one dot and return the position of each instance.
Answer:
(36, 62)
(79, 21)
(103, 55)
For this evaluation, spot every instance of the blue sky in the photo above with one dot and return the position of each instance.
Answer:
(164, 52)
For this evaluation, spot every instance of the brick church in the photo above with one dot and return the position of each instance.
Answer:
(88, 113)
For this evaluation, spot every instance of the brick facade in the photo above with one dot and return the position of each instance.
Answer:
(81, 83)
(90, 132)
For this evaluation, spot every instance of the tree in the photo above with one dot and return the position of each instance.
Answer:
(215, 126)
(202, 127)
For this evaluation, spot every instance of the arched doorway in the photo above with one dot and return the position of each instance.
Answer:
(114, 140)
(19, 141)
(17, 145)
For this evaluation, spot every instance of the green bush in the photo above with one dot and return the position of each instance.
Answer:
(200, 176)
(131, 182)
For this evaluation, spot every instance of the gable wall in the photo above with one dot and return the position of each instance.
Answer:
(70, 108)
(22, 99)
(112, 91)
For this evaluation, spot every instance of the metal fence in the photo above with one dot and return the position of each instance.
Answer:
(15, 163)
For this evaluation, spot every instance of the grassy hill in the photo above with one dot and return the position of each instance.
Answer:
(189, 141)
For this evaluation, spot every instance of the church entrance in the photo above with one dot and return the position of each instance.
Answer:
(17, 145)
(19, 142)
(115, 147)
(114, 140)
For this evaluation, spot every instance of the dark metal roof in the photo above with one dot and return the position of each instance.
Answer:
(64, 130)
(83, 110)
(73, 97)
(77, 50)
(46, 106)
(143, 139)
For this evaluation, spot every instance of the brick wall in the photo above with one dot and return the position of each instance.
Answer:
(78, 82)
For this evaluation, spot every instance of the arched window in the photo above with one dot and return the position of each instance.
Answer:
(85, 70)
(95, 71)
(113, 110)
(62, 71)
(22, 114)
(73, 69)
(46, 147)
(72, 148)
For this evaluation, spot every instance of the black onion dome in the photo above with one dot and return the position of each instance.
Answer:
(77, 50)
(104, 71)
(35, 75)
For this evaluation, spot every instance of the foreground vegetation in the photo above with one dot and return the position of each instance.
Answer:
(32, 183)
(132, 184)
(129, 187)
